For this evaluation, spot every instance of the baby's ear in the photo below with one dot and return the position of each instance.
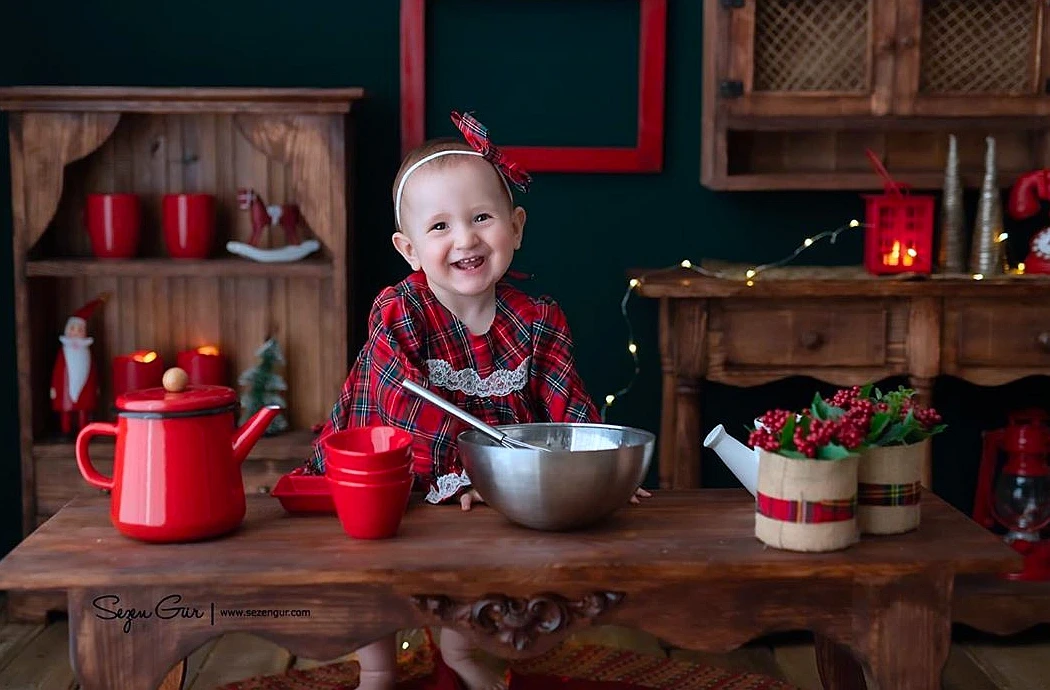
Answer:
(403, 245)
(518, 221)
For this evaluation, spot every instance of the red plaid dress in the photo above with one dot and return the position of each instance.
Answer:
(521, 370)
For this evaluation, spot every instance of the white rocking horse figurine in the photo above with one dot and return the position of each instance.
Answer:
(265, 217)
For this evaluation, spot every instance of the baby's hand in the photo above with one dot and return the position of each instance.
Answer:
(469, 498)
(639, 492)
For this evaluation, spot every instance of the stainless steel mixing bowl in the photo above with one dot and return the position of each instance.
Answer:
(590, 471)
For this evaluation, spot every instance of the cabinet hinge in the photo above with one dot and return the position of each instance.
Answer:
(732, 4)
(731, 89)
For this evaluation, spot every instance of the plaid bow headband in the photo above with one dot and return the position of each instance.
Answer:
(477, 135)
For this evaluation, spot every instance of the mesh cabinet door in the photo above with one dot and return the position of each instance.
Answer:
(972, 57)
(806, 57)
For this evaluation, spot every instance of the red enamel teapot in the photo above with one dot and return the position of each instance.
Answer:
(177, 462)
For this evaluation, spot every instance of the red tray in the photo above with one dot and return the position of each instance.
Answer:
(299, 492)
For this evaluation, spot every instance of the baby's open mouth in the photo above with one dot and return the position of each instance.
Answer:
(469, 264)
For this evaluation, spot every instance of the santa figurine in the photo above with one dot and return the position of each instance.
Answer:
(74, 380)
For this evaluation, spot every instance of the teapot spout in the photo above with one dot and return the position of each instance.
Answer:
(741, 460)
(245, 436)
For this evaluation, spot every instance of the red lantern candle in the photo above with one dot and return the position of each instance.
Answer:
(142, 369)
(898, 237)
(205, 365)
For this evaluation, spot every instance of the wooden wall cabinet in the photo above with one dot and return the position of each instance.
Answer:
(290, 145)
(795, 91)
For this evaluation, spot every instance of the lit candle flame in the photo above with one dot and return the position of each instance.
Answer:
(208, 350)
(144, 357)
(894, 257)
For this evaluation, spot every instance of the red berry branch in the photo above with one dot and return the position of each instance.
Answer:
(852, 419)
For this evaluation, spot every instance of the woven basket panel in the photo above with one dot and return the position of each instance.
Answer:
(977, 46)
(811, 45)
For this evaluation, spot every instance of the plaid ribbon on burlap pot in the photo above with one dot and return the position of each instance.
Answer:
(810, 512)
(889, 494)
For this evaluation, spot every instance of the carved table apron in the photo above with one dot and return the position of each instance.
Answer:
(684, 566)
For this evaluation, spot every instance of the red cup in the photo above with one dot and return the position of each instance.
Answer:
(188, 221)
(384, 476)
(113, 223)
(370, 511)
(368, 448)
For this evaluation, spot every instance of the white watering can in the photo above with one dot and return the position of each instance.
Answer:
(741, 460)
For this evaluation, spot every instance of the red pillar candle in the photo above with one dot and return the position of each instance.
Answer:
(205, 365)
(137, 370)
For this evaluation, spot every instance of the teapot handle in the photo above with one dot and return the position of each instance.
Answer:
(93, 476)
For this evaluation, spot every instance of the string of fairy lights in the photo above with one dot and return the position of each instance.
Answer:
(748, 277)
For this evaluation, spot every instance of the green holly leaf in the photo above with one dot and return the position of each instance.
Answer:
(833, 451)
(865, 390)
(824, 411)
(895, 434)
(788, 453)
(787, 433)
(879, 422)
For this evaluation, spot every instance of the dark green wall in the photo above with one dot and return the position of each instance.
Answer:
(537, 72)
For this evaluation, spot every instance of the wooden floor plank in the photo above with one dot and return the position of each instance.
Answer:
(961, 673)
(196, 660)
(237, 656)
(42, 663)
(13, 639)
(1012, 665)
(798, 664)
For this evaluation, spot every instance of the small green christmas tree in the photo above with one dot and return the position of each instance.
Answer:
(263, 386)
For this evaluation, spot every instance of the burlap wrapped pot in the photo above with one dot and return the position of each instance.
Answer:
(889, 488)
(804, 504)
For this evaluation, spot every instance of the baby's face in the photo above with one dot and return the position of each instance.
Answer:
(459, 226)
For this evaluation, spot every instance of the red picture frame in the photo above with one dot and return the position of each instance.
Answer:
(645, 156)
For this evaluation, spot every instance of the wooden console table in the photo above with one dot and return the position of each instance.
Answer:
(684, 566)
(838, 325)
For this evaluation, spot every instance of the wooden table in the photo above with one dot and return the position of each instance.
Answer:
(838, 325)
(684, 566)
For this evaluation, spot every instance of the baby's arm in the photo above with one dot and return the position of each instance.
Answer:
(557, 390)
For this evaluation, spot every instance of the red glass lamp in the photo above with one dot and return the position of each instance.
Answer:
(1019, 497)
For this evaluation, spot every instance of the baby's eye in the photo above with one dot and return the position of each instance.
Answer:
(439, 226)
(481, 217)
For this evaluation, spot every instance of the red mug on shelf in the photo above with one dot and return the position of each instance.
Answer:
(114, 224)
(188, 221)
(135, 371)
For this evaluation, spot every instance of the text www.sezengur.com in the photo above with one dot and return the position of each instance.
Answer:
(263, 613)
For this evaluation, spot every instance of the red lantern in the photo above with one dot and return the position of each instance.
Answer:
(899, 233)
(1016, 493)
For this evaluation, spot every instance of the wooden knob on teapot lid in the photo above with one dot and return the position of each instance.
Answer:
(175, 380)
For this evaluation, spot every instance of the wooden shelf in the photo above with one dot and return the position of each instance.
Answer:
(167, 268)
(292, 445)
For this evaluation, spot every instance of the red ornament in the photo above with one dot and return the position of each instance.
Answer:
(899, 233)
(74, 377)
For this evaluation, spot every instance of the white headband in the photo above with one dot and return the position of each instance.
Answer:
(438, 154)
